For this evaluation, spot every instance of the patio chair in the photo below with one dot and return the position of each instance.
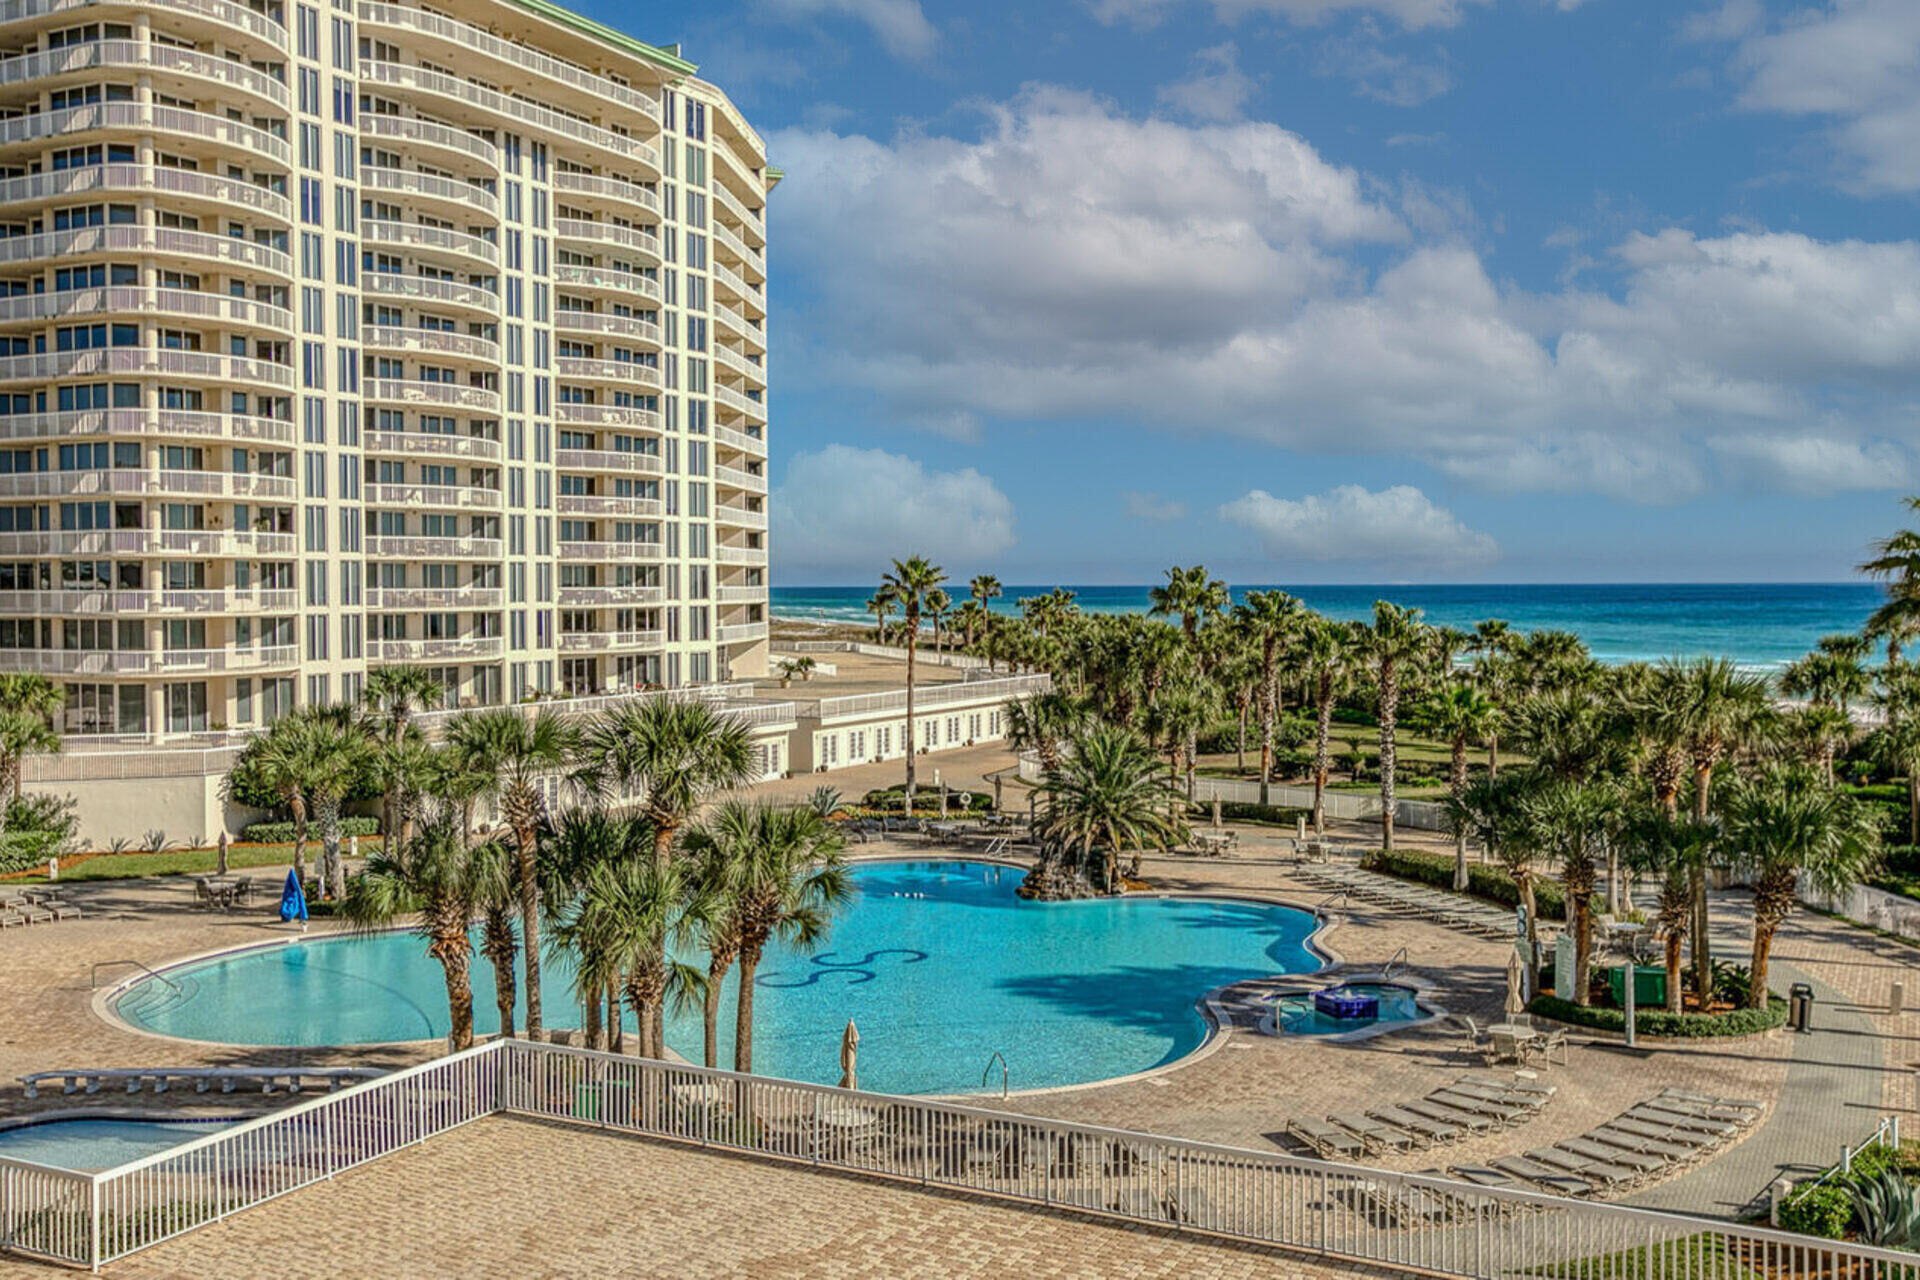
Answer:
(1326, 1139)
(1424, 1126)
(1410, 1206)
(1476, 1038)
(202, 893)
(1377, 1134)
(1553, 1042)
(1543, 1176)
(1711, 1110)
(1503, 1046)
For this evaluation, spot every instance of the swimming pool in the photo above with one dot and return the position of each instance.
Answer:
(1298, 1016)
(88, 1145)
(938, 962)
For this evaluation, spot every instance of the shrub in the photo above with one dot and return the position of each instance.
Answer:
(35, 828)
(1825, 1211)
(282, 832)
(1658, 1022)
(1245, 811)
(926, 799)
(1483, 881)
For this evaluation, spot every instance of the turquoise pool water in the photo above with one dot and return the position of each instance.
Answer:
(1299, 1017)
(938, 963)
(88, 1145)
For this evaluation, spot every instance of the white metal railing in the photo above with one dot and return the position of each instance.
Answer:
(593, 184)
(598, 504)
(1414, 1222)
(581, 597)
(237, 16)
(597, 641)
(741, 440)
(623, 282)
(434, 597)
(144, 117)
(1341, 806)
(606, 415)
(1889, 911)
(733, 205)
(931, 697)
(148, 360)
(437, 342)
(734, 362)
(740, 632)
(752, 556)
(606, 460)
(436, 443)
(529, 114)
(205, 484)
(638, 239)
(65, 184)
(462, 649)
(727, 396)
(465, 496)
(440, 239)
(392, 284)
(733, 281)
(139, 55)
(186, 423)
(610, 552)
(431, 547)
(599, 322)
(740, 595)
(105, 601)
(429, 133)
(740, 479)
(170, 241)
(451, 395)
(574, 368)
(430, 186)
(740, 517)
(134, 300)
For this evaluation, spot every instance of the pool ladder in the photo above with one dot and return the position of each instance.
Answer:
(1338, 895)
(93, 975)
(1398, 956)
(1002, 1060)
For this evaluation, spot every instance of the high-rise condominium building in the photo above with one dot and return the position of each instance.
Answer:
(336, 335)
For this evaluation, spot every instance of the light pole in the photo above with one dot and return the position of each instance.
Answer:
(1623, 932)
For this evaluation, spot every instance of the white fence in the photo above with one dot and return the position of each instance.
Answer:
(932, 697)
(964, 661)
(1405, 1221)
(1876, 907)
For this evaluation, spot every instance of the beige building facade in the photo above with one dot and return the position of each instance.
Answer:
(342, 334)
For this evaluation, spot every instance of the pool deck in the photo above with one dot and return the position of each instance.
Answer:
(1824, 1089)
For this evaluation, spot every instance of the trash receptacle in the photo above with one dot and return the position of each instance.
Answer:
(1800, 1007)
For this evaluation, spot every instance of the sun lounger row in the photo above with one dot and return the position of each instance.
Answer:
(1475, 1103)
(34, 906)
(1672, 1129)
(203, 1079)
(1452, 909)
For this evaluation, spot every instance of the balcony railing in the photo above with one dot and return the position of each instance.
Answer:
(443, 395)
(412, 235)
(590, 597)
(439, 342)
(606, 460)
(167, 241)
(599, 641)
(751, 296)
(732, 399)
(237, 16)
(444, 293)
(753, 260)
(740, 632)
(433, 495)
(455, 598)
(429, 133)
(430, 547)
(610, 552)
(733, 362)
(137, 56)
(104, 602)
(631, 327)
(221, 543)
(467, 649)
(148, 662)
(740, 479)
(430, 186)
(594, 185)
(129, 483)
(529, 115)
(144, 360)
(730, 438)
(606, 415)
(596, 504)
(434, 444)
(756, 227)
(740, 595)
(632, 239)
(620, 282)
(931, 697)
(587, 369)
(217, 308)
(739, 517)
(67, 184)
(139, 117)
(184, 424)
(724, 554)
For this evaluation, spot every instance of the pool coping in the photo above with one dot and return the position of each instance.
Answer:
(1216, 1033)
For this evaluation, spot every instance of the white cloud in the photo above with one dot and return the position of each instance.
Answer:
(1152, 508)
(900, 26)
(1411, 14)
(1813, 465)
(1397, 527)
(1397, 79)
(1855, 63)
(1217, 89)
(1072, 263)
(848, 510)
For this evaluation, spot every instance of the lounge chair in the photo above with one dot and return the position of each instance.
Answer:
(32, 914)
(1410, 1205)
(1711, 1110)
(1601, 1173)
(1613, 1136)
(1682, 1120)
(1449, 1114)
(1377, 1134)
(1544, 1176)
(1425, 1126)
(1711, 1100)
(1328, 1140)
(1485, 1176)
(1497, 1093)
(1642, 1163)
(1505, 1113)
(1513, 1083)
(1655, 1131)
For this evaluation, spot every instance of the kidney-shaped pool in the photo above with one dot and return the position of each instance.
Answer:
(938, 962)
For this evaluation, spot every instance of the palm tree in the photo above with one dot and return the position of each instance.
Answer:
(1831, 676)
(939, 604)
(1460, 715)
(1272, 620)
(673, 754)
(1043, 723)
(339, 756)
(1396, 641)
(438, 877)
(879, 606)
(985, 588)
(971, 618)
(1896, 743)
(1490, 809)
(1185, 706)
(908, 585)
(22, 734)
(1781, 826)
(1328, 651)
(1896, 561)
(785, 881)
(715, 846)
(1820, 734)
(583, 838)
(392, 696)
(628, 917)
(1669, 845)
(1107, 796)
(516, 759)
(1191, 596)
(1568, 821)
(278, 761)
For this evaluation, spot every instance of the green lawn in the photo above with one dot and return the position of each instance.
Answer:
(1702, 1257)
(173, 862)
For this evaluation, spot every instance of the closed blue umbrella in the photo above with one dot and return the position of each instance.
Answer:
(293, 901)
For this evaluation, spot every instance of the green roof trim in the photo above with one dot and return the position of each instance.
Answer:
(599, 31)
(776, 174)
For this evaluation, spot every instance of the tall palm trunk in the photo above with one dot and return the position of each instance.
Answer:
(717, 967)
(1269, 710)
(1458, 781)
(1676, 908)
(530, 925)
(743, 1008)
(298, 804)
(595, 1028)
(1240, 737)
(1389, 751)
(1702, 944)
(1322, 750)
(457, 966)
(1523, 881)
(500, 947)
(1578, 879)
(331, 859)
(1493, 756)
(913, 644)
(1772, 900)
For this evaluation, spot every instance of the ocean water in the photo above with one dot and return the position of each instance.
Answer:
(1756, 624)
(938, 963)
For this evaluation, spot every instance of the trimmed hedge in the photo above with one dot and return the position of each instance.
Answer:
(1247, 811)
(282, 832)
(1825, 1211)
(1483, 881)
(1658, 1022)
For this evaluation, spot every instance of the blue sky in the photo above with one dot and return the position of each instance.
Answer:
(1334, 290)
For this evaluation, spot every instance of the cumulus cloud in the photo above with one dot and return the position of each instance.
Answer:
(1813, 465)
(1411, 14)
(1397, 79)
(1072, 262)
(845, 509)
(1397, 527)
(1152, 508)
(1216, 90)
(900, 26)
(1852, 63)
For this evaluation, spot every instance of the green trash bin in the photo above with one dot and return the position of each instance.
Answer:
(1649, 986)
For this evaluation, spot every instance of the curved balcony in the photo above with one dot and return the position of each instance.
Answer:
(728, 398)
(731, 171)
(622, 284)
(390, 599)
(740, 555)
(462, 38)
(615, 416)
(740, 632)
(600, 324)
(727, 281)
(432, 444)
(728, 438)
(750, 334)
(189, 247)
(590, 597)
(734, 477)
(127, 483)
(623, 372)
(739, 517)
(180, 72)
(152, 362)
(433, 242)
(430, 292)
(90, 604)
(132, 179)
(231, 19)
(753, 263)
(461, 497)
(732, 362)
(431, 135)
(470, 649)
(146, 662)
(610, 552)
(434, 342)
(599, 504)
(606, 460)
(589, 188)
(158, 423)
(465, 198)
(584, 236)
(756, 227)
(426, 547)
(220, 543)
(600, 641)
(136, 118)
(457, 97)
(726, 118)
(131, 300)
(433, 395)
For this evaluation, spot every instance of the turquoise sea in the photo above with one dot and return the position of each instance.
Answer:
(1756, 624)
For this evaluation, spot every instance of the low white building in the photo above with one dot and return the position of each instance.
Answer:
(866, 728)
